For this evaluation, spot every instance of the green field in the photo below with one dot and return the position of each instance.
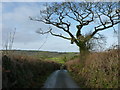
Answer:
(60, 57)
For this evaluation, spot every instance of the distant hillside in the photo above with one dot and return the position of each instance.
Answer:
(44, 55)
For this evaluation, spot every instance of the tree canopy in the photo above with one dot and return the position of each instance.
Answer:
(103, 15)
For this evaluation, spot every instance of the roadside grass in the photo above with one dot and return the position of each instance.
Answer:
(21, 71)
(100, 70)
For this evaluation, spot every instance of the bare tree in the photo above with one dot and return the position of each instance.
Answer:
(63, 15)
(9, 42)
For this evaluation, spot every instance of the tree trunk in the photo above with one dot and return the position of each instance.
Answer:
(83, 53)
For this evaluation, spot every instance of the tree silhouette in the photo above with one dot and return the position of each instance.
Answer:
(64, 15)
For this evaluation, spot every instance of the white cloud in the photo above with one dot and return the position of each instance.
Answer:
(25, 37)
(59, 0)
(19, 19)
(28, 0)
(0, 24)
(37, 0)
(52, 44)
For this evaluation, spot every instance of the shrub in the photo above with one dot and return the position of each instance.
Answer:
(22, 72)
(100, 70)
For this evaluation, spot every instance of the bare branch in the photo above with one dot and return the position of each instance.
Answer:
(60, 35)
(63, 15)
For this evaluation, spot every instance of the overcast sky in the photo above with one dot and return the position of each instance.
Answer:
(16, 15)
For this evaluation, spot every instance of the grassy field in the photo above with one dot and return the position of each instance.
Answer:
(100, 70)
(59, 57)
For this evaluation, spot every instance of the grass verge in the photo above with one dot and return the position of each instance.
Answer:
(100, 70)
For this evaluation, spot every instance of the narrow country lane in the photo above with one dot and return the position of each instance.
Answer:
(60, 79)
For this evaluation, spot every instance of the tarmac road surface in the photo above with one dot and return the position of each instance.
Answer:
(60, 79)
